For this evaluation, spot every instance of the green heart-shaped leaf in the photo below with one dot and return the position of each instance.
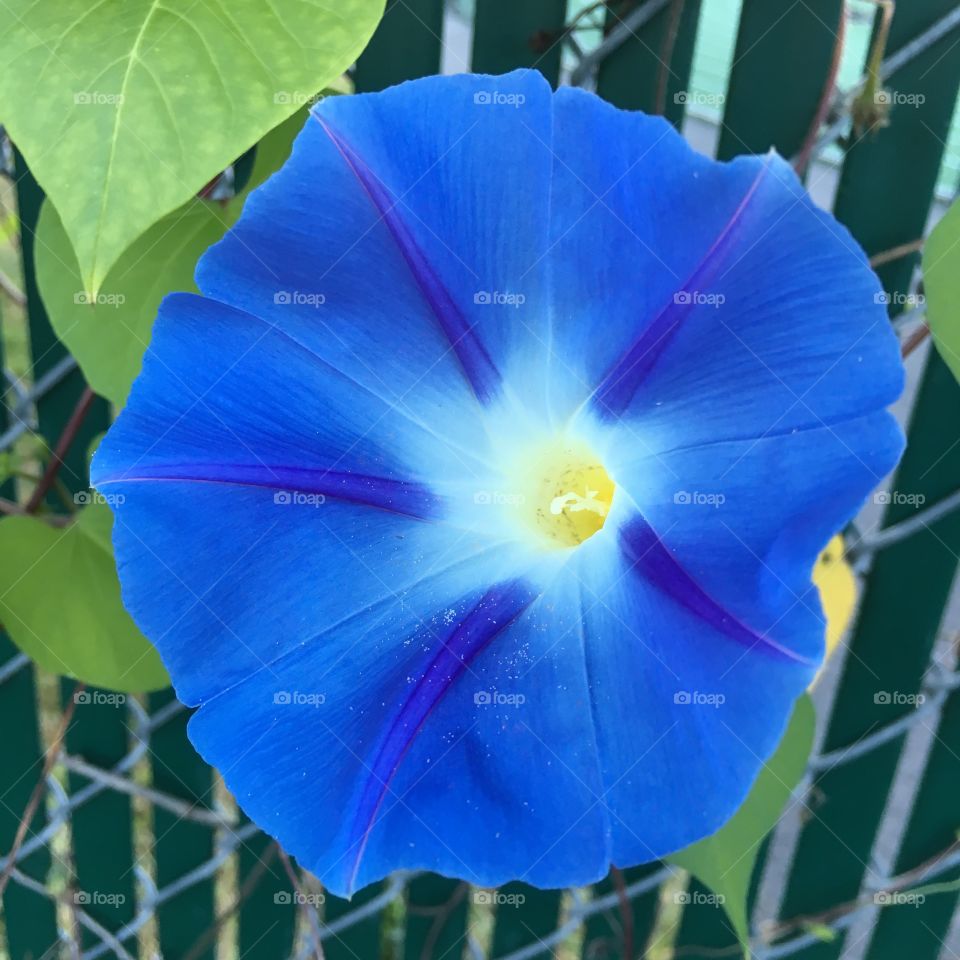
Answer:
(60, 602)
(108, 333)
(725, 860)
(941, 284)
(124, 109)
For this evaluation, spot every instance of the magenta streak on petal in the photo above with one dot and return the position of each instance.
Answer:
(396, 496)
(615, 391)
(649, 556)
(477, 364)
(494, 612)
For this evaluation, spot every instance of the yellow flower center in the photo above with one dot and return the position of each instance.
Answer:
(568, 493)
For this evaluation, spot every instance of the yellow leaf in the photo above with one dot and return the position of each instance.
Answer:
(837, 584)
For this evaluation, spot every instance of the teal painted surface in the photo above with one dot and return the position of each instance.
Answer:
(920, 928)
(267, 917)
(102, 829)
(704, 927)
(436, 917)
(359, 940)
(605, 932)
(714, 56)
(650, 71)
(523, 916)
(508, 35)
(30, 918)
(903, 598)
(884, 193)
(181, 845)
(780, 67)
(405, 45)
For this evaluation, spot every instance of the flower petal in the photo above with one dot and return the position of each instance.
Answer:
(481, 765)
(685, 715)
(254, 488)
(731, 530)
(416, 232)
(514, 748)
(711, 301)
(635, 210)
(261, 408)
(227, 582)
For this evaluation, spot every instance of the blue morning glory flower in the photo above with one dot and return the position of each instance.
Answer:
(474, 502)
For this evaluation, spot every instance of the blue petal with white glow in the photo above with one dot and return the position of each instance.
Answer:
(474, 500)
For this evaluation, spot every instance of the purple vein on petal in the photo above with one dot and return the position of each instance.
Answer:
(650, 557)
(615, 391)
(478, 367)
(396, 496)
(492, 614)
